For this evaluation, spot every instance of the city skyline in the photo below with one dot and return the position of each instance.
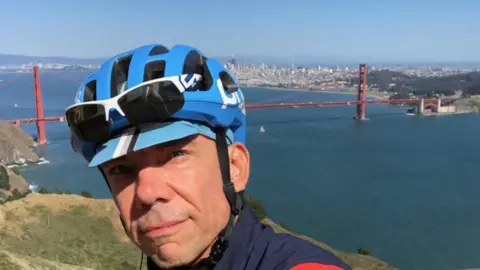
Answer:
(348, 30)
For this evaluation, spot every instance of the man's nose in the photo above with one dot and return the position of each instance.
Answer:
(152, 186)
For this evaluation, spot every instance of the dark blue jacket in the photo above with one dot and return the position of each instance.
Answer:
(254, 245)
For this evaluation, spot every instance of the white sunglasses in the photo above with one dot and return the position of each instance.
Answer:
(180, 83)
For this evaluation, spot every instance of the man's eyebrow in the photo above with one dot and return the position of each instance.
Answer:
(170, 144)
(178, 143)
(114, 161)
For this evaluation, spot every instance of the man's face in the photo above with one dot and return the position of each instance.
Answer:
(171, 197)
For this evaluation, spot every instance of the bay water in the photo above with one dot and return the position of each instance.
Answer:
(406, 188)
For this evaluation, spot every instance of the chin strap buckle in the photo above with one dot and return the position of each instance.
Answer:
(216, 254)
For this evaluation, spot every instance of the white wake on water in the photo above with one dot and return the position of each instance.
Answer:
(43, 161)
(33, 187)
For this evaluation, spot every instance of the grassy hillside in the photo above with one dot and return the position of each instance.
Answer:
(53, 231)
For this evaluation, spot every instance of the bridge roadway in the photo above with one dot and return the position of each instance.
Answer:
(273, 105)
(340, 103)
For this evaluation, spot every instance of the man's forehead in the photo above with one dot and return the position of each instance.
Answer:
(191, 141)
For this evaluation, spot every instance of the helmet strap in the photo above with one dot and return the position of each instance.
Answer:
(235, 200)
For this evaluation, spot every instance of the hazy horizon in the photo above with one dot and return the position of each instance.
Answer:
(354, 31)
(301, 60)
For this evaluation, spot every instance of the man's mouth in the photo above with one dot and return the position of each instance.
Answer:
(163, 228)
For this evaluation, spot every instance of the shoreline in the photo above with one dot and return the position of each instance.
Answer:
(450, 113)
(314, 91)
(375, 97)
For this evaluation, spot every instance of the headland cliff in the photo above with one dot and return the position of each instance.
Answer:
(16, 149)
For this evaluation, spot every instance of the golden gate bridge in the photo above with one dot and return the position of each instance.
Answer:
(360, 103)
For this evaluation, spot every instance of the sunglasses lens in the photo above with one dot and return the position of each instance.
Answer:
(87, 122)
(153, 102)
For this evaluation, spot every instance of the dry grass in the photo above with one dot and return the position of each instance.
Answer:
(20, 211)
(68, 229)
(13, 261)
(52, 231)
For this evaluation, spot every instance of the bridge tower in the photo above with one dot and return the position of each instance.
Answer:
(362, 92)
(421, 107)
(42, 138)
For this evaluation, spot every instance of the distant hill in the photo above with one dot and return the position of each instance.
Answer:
(286, 60)
(12, 59)
(392, 81)
(383, 78)
(283, 61)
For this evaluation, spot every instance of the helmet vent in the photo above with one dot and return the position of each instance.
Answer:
(228, 83)
(154, 70)
(90, 91)
(157, 50)
(119, 75)
(196, 63)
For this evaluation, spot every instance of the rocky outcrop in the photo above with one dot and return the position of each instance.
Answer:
(15, 149)
(12, 185)
(15, 145)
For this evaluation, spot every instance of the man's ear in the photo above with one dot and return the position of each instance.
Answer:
(239, 165)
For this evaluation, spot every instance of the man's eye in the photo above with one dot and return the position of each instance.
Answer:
(120, 169)
(178, 153)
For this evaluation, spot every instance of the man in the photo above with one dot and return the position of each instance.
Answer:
(166, 128)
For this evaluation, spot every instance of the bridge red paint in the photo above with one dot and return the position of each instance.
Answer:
(431, 106)
(361, 103)
(339, 103)
(35, 120)
(362, 91)
(274, 105)
(42, 138)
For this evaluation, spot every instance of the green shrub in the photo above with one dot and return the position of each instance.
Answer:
(57, 191)
(4, 178)
(16, 170)
(86, 194)
(16, 194)
(363, 251)
(43, 191)
(256, 207)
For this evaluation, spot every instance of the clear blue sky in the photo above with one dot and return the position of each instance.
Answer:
(361, 30)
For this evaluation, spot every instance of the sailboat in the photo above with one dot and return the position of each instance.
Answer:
(262, 130)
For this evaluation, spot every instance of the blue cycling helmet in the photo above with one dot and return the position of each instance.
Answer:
(211, 100)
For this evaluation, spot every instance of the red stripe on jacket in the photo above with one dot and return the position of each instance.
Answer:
(315, 266)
